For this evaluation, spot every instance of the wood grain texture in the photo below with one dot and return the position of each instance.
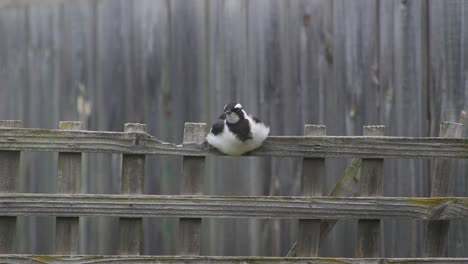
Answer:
(163, 62)
(313, 173)
(436, 241)
(67, 237)
(90, 259)
(285, 207)
(193, 171)
(9, 176)
(278, 146)
(133, 174)
(368, 233)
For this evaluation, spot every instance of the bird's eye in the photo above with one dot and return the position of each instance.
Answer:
(238, 106)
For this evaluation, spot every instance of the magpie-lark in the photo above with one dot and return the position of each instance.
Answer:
(236, 132)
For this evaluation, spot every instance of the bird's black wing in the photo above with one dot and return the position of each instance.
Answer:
(217, 128)
(256, 119)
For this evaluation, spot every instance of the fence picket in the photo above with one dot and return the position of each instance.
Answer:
(308, 236)
(69, 181)
(368, 234)
(192, 183)
(9, 174)
(133, 174)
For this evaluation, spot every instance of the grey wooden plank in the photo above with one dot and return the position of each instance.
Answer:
(193, 170)
(9, 176)
(437, 231)
(458, 231)
(77, 55)
(13, 57)
(41, 95)
(89, 259)
(407, 68)
(312, 185)
(133, 174)
(67, 235)
(388, 101)
(356, 99)
(368, 233)
(285, 207)
(149, 64)
(278, 146)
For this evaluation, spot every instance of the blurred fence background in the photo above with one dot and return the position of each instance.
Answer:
(341, 63)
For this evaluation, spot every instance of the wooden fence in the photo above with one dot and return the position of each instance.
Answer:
(316, 214)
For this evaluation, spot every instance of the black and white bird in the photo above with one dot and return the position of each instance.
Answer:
(236, 132)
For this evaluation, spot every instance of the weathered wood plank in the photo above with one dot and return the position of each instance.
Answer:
(234, 207)
(67, 238)
(281, 146)
(193, 170)
(308, 236)
(90, 259)
(437, 231)
(9, 174)
(368, 233)
(133, 174)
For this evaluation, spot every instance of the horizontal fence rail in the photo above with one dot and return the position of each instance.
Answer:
(20, 259)
(233, 207)
(290, 146)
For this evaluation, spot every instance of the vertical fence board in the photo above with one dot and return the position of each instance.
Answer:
(133, 174)
(368, 240)
(193, 169)
(403, 76)
(69, 181)
(312, 185)
(9, 173)
(437, 231)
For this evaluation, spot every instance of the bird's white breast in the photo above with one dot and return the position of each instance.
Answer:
(229, 144)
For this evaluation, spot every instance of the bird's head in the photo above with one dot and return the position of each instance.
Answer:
(233, 113)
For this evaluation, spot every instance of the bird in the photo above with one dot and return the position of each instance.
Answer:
(237, 132)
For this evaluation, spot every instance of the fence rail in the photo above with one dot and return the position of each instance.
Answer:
(200, 206)
(316, 214)
(282, 146)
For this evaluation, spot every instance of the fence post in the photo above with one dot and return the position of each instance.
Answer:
(308, 238)
(133, 174)
(9, 174)
(193, 170)
(68, 182)
(368, 236)
(437, 230)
